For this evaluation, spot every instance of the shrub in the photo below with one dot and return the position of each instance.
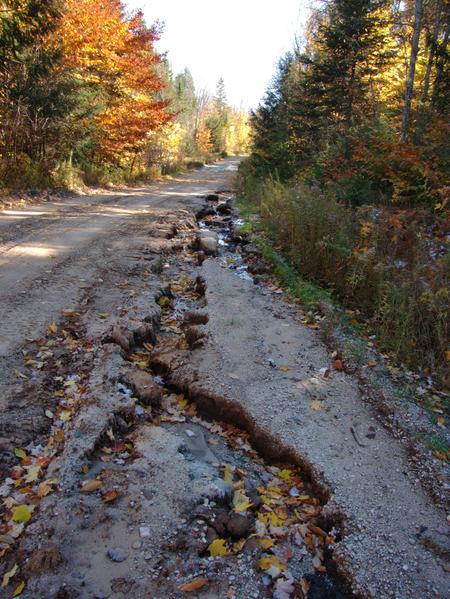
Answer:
(386, 263)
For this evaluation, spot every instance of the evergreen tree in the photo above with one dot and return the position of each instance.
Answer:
(271, 122)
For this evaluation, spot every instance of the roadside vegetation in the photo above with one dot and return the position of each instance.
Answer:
(86, 99)
(348, 169)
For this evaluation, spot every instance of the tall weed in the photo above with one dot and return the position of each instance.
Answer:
(382, 262)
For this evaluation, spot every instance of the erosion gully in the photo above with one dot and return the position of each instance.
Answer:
(263, 511)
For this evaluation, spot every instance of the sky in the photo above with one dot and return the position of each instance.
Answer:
(239, 40)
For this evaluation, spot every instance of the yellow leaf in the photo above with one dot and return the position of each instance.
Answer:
(21, 513)
(228, 474)
(65, 415)
(265, 542)
(20, 374)
(267, 562)
(19, 589)
(218, 548)
(8, 575)
(52, 328)
(103, 315)
(241, 502)
(285, 474)
(20, 453)
(88, 486)
(316, 405)
(284, 368)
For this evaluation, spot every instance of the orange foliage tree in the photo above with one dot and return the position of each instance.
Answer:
(112, 54)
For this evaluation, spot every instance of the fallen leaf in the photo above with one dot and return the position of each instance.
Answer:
(285, 474)
(218, 548)
(46, 487)
(20, 374)
(265, 542)
(110, 496)
(88, 486)
(241, 502)
(228, 474)
(52, 328)
(271, 562)
(304, 584)
(65, 415)
(283, 588)
(32, 473)
(193, 585)
(21, 513)
(337, 365)
(8, 575)
(316, 405)
(103, 315)
(20, 453)
(371, 363)
(19, 589)
(284, 368)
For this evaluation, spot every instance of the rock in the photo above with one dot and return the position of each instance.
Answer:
(144, 386)
(212, 197)
(144, 532)
(5, 444)
(117, 555)
(208, 241)
(211, 535)
(205, 211)
(239, 525)
(223, 209)
(258, 268)
(220, 523)
(121, 337)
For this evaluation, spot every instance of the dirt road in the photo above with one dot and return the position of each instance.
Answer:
(170, 426)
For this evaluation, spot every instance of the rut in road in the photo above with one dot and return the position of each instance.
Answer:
(151, 472)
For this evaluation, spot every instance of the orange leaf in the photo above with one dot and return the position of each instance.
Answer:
(110, 496)
(88, 486)
(193, 585)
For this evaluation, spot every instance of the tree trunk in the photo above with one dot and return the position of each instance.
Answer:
(433, 42)
(440, 63)
(409, 92)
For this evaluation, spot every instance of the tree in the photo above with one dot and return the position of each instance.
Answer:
(271, 125)
(218, 119)
(35, 95)
(409, 89)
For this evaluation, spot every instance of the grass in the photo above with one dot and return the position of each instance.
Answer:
(306, 292)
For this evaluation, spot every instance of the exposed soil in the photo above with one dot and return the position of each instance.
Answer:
(181, 432)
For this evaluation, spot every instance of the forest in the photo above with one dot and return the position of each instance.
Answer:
(349, 167)
(85, 98)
